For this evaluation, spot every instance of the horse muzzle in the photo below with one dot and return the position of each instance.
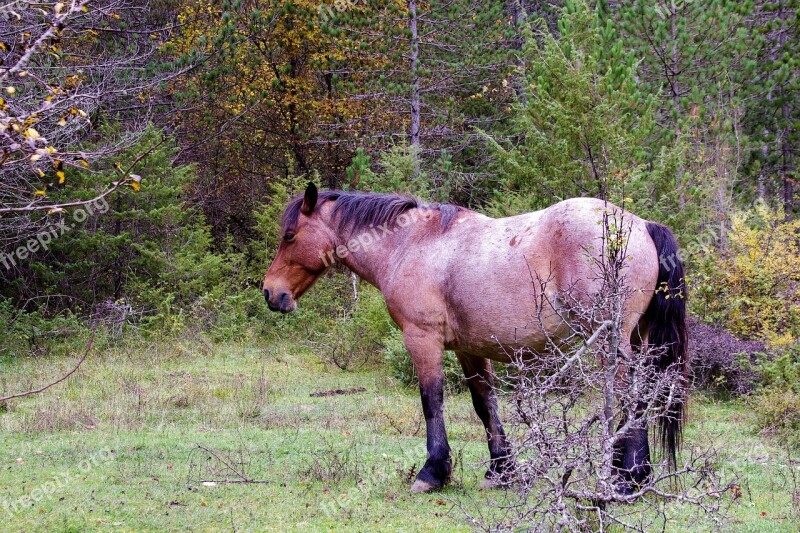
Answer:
(279, 301)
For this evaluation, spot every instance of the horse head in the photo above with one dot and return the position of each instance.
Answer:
(305, 240)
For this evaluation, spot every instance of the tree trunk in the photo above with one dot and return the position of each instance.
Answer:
(415, 93)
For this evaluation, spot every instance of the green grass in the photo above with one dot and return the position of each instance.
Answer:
(140, 414)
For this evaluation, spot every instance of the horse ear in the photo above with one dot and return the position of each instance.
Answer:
(310, 199)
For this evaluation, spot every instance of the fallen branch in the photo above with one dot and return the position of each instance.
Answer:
(56, 382)
(334, 392)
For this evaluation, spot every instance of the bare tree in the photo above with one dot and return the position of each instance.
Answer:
(573, 405)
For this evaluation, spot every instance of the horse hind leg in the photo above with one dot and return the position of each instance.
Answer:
(632, 451)
(480, 380)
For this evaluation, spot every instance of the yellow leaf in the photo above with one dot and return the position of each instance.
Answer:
(10, 90)
(61, 176)
(135, 186)
(40, 193)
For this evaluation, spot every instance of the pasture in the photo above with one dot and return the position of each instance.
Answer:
(143, 436)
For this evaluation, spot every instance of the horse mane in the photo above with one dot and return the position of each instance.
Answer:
(358, 210)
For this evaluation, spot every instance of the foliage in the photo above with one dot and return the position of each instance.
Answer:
(36, 332)
(69, 68)
(583, 124)
(753, 286)
(777, 411)
(782, 372)
(354, 334)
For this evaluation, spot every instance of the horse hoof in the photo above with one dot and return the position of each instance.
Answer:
(420, 486)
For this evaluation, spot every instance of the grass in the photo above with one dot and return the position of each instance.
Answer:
(128, 441)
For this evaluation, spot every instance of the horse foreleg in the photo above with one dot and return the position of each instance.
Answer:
(427, 353)
(480, 379)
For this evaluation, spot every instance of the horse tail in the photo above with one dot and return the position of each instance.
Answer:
(666, 325)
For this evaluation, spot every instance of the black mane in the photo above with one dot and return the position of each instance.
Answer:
(358, 210)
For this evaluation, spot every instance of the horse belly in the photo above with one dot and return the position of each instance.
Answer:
(500, 313)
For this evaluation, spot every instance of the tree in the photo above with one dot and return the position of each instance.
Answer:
(583, 126)
(774, 117)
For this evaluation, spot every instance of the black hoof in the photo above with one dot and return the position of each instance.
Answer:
(434, 475)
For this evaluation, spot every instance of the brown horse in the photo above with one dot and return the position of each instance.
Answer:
(455, 279)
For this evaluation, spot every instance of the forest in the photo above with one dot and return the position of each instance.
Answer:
(148, 150)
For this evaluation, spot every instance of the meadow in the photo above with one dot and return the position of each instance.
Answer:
(193, 435)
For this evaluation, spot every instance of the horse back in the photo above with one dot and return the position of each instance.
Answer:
(500, 283)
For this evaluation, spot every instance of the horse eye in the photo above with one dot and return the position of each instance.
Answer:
(289, 237)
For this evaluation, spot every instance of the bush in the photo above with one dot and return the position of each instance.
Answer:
(753, 286)
(356, 328)
(721, 363)
(777, 404)
(778, 412)
(783, 371)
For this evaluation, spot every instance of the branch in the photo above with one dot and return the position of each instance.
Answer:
(56, 382)
(125, 179)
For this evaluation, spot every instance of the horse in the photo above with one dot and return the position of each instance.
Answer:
(454, 279)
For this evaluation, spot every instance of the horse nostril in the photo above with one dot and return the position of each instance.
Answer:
(266, 294)
(282, 298)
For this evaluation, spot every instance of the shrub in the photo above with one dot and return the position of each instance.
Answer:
(721, 363)
(778, 412)
(776, 405)
(753, 286)
(346, 332)
(783, 371)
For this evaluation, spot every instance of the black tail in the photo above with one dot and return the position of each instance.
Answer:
(666, 322)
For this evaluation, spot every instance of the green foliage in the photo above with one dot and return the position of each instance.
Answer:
(399, 172)
(782, 372)
(354, 335)
(34, 332)
(777, 411)
(583, 123)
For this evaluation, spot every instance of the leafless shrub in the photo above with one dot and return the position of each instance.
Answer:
(332, 466)
(113, 315)
(574, 404)
(344, 348)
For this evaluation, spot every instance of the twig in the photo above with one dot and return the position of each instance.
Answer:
(56, 382)
(230, 466)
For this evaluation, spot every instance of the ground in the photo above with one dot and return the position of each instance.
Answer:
(138, 440)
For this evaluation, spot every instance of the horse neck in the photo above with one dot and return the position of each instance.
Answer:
(371, 252)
